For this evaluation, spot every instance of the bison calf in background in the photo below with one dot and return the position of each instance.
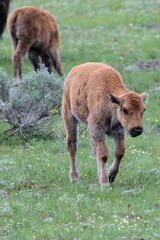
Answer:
(4, 7)
(35, 31)
(95, 94)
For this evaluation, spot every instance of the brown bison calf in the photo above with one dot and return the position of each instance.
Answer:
(35, 31)
(95, 94)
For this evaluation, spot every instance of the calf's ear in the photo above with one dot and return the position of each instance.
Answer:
(143, 96)
(112, 98)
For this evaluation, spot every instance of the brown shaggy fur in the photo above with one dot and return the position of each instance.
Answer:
(95, 94)
(35, 31)
(4, 7)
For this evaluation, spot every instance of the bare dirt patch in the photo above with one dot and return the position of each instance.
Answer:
(148, 65)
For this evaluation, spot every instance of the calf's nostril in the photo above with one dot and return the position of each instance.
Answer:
(138, 129)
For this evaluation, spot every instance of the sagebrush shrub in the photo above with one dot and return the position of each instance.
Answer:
(39, 96)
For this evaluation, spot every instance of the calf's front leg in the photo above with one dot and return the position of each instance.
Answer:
(101, 152)
(94, 150)
(119, 150)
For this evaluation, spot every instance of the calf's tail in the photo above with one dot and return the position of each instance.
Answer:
(13, 24)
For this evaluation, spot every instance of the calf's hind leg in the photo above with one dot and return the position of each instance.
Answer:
(55, 58)
(47, 62)
(71, 125)
(34, 58)
(18, 54)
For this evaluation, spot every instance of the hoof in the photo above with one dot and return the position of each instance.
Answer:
(73, 177)
(17, 81)
(18, 84)
(111, 179)
(112, 175)
(104, 182)
(104, 185)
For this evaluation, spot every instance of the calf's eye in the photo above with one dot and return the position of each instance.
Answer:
(125, 111)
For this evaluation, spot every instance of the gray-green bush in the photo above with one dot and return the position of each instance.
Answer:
(37, 98)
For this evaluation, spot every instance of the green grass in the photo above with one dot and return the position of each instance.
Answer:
(37, 200)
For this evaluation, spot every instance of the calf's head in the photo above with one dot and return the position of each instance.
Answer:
(130, 111)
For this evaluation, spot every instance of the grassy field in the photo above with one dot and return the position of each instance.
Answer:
(37, 200)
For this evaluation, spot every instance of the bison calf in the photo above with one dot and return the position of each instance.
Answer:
(35, 31)
(95, 94)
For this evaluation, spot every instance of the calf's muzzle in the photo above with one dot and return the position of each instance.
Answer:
(136, 131)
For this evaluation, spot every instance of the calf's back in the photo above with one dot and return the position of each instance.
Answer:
(35, 23)
(86, 87)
